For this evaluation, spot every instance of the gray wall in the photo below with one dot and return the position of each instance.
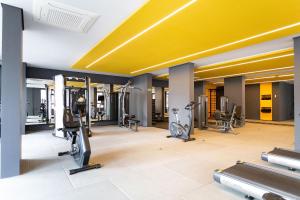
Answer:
(282, 101)
(33, 101)
(12, 91)
(141, 101)
(41, 73)
(252, 100)
(181, 90)
(234, 89)
(286, 101)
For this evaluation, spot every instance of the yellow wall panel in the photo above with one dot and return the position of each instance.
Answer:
(265, 92)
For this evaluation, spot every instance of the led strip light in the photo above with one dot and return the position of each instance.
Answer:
(234, 60)
(265, 77)
(220, 47)
(268, 77)
(247, 57)
(143, 32)
(244, 63)
(270, 81)
(241, 74)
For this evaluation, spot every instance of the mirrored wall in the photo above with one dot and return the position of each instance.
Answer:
(40, 106)
(39, 101)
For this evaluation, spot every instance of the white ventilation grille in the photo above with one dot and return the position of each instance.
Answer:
(63, 16)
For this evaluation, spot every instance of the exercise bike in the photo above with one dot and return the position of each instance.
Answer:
(80, 145)
(180, 131)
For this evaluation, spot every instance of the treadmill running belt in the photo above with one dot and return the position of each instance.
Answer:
(260, 176)
(285, 153)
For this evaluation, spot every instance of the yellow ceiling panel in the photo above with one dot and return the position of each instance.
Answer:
(259, 58)
(243, 70)
(271, 79)
(266, 61)
(272, 61)
(199, 28)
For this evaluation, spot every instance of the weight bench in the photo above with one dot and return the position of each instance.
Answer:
(133, 123)
(224, 121)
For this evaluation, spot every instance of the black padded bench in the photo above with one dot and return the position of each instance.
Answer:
(133, 123)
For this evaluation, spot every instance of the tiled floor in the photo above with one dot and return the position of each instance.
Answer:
(140, 166)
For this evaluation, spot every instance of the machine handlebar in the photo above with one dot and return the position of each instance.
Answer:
(191, 105)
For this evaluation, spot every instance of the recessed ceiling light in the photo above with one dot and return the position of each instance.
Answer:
(143, 32)
(220, 47)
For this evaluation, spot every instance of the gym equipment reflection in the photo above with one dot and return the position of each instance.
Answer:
(69, 91)
(39, 102)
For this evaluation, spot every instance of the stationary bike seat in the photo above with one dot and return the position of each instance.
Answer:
(69, 120)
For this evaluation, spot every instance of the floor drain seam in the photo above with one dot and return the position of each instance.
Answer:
(122, 191)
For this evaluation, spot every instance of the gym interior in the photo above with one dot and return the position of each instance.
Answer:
(149, 99)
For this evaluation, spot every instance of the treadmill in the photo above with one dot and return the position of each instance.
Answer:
(258, 182)
(283, 157)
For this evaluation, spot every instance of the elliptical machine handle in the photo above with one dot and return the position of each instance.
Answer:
(191, 105)
(188, 106)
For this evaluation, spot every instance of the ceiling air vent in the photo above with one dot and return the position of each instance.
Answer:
(63, 16)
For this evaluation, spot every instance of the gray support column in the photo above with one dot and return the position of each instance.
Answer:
(141, 100)
(297, 93)
(181, 91)
(234, 89)
(12, 91)
(199, 90)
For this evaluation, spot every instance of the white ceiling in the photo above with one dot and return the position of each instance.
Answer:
(51, 47)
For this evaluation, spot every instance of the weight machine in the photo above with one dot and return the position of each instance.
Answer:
(224, 120)
(126, 120)
(66, 96)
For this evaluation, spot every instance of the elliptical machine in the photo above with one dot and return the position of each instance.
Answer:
(180, 131)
